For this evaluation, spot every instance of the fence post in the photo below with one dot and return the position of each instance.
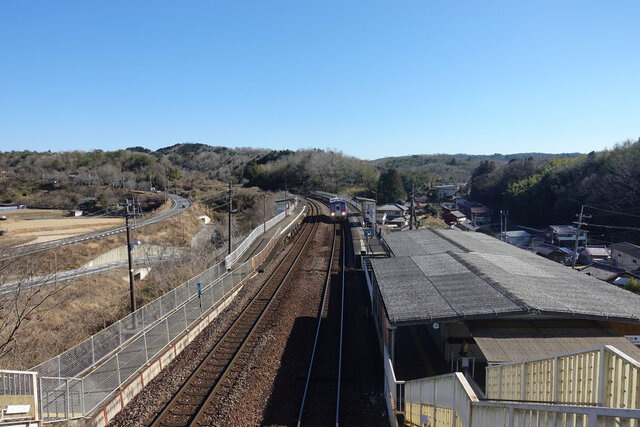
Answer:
(118, 369)
(42, 399)
(120, 332)
(186, 320)
(59, 369)
(93, 352)
(68, 395)
(84, 410)
(146, 349)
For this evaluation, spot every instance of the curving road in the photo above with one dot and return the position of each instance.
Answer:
(178, 205)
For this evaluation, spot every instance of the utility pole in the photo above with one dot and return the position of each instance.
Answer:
(503, 224)
(230, 207)
(129, 256)
(575, 246)
(413, 207)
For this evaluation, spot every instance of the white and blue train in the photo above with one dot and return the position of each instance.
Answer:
(338, 209)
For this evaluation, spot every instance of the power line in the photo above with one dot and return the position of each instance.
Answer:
(613, 212)
(616, 227)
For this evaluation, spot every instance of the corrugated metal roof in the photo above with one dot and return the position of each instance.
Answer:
(521, 340)
(627, 248)
(597, 251)
(446, 275)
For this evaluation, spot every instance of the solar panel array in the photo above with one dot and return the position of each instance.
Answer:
(447, 275)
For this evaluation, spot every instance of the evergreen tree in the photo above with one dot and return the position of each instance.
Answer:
(390, 188)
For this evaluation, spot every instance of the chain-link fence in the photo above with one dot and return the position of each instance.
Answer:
(237, 253)
(76, 382)
(77, 360)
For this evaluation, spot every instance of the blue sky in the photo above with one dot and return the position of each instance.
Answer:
(369, 78)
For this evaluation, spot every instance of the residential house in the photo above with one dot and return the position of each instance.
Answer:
(564, 235)
(480, 214)
(554, 253)
(518, 238)
(393, 211)
(625, 255)
(592, 254)
(446, 191)
(604, 272)
(452, 217)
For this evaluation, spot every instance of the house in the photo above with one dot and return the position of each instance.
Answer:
(446, 191)
(480, 214)
(393, 210)
(74, 212)
(564, 235)
(518, 238)
(554, 253)
(592, 254)
(604, 272)
(625, 255)
(452, 217)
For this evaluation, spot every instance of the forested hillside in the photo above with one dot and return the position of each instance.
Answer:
(454, 168)
(552, 187)
(542, 192)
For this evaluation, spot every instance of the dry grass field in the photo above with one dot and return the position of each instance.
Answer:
(29, 226)
(89, 304)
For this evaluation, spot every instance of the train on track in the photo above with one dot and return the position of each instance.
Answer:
(338, 209)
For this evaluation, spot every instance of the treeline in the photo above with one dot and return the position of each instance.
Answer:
(539, 192)
(311, 169)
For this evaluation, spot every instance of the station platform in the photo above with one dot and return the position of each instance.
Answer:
(284, 227)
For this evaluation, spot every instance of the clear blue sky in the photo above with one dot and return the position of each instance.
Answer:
(370, 78)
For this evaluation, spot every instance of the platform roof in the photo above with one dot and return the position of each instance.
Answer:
(450, 275)
(521, 340)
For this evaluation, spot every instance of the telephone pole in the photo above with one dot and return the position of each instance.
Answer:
(412, 214)
(129, 249)
(230, 207)
(575, 247)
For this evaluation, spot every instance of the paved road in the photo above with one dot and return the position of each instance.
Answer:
(63, 276)
(178, 205)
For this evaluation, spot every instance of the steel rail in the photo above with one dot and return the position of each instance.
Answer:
(341, 331)
(317, 337)
(196, 415)
(325, 294)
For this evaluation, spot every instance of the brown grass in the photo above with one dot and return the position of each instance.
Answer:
(94, 302)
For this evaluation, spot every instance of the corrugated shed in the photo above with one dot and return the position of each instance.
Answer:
(452, 275)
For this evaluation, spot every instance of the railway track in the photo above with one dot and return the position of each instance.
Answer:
(321, 398)
(189, 405)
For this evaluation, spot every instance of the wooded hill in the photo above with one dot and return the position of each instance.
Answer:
(541, 192)
(536, 188)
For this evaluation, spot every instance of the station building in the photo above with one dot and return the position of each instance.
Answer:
(447, 300)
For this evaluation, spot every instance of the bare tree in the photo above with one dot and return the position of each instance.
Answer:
(23, 300)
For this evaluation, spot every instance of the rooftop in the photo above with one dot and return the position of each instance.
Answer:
(448, 275)
(627, 248)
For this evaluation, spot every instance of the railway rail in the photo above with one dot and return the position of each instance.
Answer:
(189, 406)
(321, 398)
